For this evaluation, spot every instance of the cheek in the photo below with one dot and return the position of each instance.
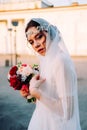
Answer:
(43, 40)
(34, 48)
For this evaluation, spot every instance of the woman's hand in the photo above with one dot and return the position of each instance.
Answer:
(24, 91)
(35, 83)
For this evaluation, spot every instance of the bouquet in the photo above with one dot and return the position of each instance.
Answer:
(19, 77)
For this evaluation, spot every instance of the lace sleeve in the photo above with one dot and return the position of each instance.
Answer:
(60, 106)
(65, 83)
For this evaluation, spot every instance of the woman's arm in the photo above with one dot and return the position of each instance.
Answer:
(63, 106)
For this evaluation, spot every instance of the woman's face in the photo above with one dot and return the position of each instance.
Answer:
(37, 39)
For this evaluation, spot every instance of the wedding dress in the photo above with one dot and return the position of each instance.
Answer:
(57, 108)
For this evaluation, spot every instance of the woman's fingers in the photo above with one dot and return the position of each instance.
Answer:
(37, 77)
(41, 80)
(24, 93)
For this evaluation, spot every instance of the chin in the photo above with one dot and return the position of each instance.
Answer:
(43, 54)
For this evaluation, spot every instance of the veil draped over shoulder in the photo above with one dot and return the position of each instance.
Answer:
(60, 92)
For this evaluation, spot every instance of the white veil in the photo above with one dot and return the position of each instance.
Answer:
(66, 80)
(54, 36)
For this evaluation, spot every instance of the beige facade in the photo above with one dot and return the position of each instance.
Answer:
(71, 21)
(6, 5)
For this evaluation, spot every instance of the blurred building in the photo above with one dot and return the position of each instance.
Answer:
(14, 15)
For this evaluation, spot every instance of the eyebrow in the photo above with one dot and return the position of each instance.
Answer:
(36, 35)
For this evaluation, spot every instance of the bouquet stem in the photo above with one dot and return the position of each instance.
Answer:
(31, 99)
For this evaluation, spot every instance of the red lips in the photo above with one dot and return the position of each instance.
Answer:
(41, 49)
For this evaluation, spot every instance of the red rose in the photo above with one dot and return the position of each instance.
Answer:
(15, 82)
(25, 87)
(24, 65)
(13, 70)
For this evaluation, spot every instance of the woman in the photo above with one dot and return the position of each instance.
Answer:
(56, 87)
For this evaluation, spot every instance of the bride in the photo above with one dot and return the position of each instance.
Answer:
(56, 87)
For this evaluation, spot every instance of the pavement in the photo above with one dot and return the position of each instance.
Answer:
(15, 112)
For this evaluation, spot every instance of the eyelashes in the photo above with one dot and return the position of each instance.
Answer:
(37, 37)
(31, 42)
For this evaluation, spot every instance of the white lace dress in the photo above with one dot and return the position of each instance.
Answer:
(58, 106)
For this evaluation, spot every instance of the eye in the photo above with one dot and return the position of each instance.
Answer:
(31, 42)
(39, 36)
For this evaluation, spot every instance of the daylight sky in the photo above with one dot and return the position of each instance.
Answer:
(65, 2)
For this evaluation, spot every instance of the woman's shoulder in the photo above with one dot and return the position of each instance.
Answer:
(62, 60)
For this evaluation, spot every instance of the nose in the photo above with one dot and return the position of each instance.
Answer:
(36, 44)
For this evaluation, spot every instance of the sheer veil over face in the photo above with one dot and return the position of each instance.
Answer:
(55, 48)
(59, 92)
(54, 39)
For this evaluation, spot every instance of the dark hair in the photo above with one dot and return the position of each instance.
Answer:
(31, 24)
